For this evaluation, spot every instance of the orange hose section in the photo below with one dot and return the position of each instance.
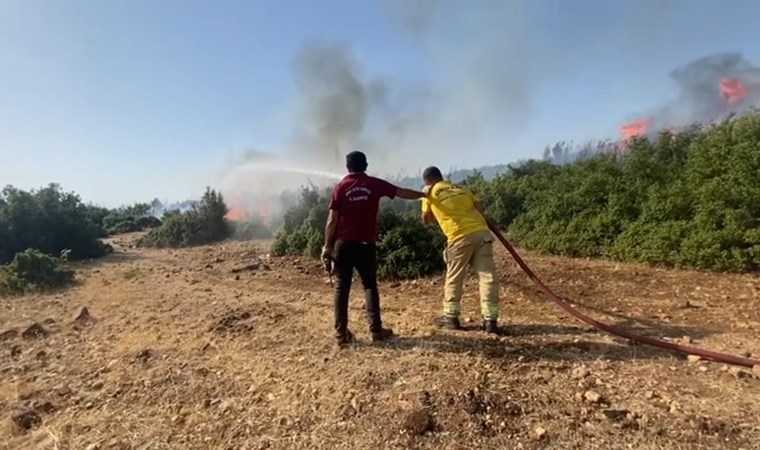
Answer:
(706, 354)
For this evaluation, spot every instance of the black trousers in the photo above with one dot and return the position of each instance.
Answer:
(362, 256)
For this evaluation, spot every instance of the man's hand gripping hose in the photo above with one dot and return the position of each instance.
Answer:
(567, 307)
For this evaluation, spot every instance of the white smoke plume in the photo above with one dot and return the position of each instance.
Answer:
(489, 59)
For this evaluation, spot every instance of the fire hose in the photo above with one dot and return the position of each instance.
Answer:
(633, 337)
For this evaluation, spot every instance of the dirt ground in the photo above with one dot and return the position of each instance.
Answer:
(191, 349)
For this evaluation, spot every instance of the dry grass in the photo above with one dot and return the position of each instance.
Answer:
(182, 353)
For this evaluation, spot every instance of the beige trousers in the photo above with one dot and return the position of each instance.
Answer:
(476, 251)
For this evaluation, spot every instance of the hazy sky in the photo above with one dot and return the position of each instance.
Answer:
(126, 100)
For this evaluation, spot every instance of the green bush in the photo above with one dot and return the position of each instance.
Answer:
(406, 248)
(118, 223)
(50, 221)
(148, 222)
(126, 219)
(690, 199)
(32, 270)
(96, 215)
(250, 229)
(203, 224)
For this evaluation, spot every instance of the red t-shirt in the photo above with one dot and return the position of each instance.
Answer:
(356, 198)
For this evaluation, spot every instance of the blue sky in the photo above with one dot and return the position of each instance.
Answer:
(123, 101)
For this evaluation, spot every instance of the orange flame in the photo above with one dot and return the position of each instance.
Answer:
(239, 212)
(733, 91)
(634, 129)
(236, 212)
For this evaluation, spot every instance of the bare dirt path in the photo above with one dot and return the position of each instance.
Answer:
(180, 352)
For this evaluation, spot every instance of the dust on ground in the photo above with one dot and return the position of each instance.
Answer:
(219, 348)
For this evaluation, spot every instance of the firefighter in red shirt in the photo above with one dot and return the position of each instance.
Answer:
(350, 236)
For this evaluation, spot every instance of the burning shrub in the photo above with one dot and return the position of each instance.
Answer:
(687, 200)
(406, 247)
(203, 224)
(48, 220)
(32, 270)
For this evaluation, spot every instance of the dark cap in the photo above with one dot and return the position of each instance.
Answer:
(432, 173)
(356, 161)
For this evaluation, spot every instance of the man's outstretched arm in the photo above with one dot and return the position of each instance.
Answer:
(409, 194)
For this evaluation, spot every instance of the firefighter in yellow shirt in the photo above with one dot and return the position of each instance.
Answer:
(469, 244)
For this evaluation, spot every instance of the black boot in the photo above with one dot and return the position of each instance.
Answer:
(448, 323)
(346, 339)
(491, 326)
(383, 335)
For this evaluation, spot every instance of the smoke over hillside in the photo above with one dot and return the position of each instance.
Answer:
(486, 62)
(709, 88)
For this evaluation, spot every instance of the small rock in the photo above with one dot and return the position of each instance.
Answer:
(539, 433)
(739, 373)
(63, 390)
(34, 331)
(15, 351)
(694, 358)
(98, 385)
(8, 334)
(580, 372)
(44, 407)
(245, 267)
(144, 355)
(83, 318)
(615, 414)
(545, 375)
(686, 340)
(756, 370)
(93, 447)
(419, 422)
(26, 420)
(592, 397)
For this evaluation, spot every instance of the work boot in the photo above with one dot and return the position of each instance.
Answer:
(383, 335)
(449, 323)
(491, 326)
(346, 339)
